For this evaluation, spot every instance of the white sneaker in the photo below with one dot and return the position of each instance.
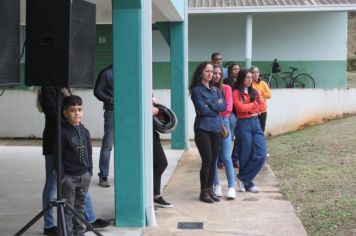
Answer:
(254, 189)
(240, 186)
(267, 154)
(217, 190)
(231, 193)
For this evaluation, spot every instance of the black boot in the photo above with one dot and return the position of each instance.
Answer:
(212, 195)
(205, 196)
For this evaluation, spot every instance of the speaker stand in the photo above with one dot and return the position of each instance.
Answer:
(61, 204)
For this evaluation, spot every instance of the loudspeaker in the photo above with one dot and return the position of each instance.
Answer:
(9, 42)
(60, 43)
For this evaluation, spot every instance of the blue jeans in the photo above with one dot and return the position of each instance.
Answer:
(75, 189)
(49, 194)
(225, 155)
(233, 120)
(251, 149)
(49, 190)
(108, 141)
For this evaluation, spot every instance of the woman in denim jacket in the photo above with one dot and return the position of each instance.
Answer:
(208, 103)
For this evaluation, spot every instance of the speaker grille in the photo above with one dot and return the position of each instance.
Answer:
(9, 42)
(60, 43)
(82, 39)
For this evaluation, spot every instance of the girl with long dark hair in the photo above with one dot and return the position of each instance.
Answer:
(208, 103)
(251, 145)
(225, 148)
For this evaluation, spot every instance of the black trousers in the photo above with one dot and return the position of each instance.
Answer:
(159, 163)
(208, 144)
(263, 118)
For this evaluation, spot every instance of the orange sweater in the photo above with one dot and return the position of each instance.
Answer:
(263, 88)
(246, 108)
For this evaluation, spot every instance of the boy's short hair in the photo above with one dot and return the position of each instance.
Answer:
(72, 100)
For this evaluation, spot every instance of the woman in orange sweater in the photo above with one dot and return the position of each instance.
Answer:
(251, 145)
(262, 87)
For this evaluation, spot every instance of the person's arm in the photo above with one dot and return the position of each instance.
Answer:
(228, 100)
(155, 111)
(90, 152)
(260, 103)
(243, 107)
(266, 90)
(49, 101)
(219, 104)
(201, 107)
(100, 86)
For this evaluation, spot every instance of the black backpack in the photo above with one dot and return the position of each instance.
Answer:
(275, 66)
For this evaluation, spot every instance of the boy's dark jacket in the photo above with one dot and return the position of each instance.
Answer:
(72, 164)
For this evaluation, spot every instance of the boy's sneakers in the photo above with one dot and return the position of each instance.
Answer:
(160, 202)
(103, 182)
(50, 231)
(100, 223)
(217, 190)
(254, 189)
(231, 193)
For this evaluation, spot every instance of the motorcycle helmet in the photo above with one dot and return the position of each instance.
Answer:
(165, 121)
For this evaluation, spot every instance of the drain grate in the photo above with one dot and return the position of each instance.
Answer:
(190, 225)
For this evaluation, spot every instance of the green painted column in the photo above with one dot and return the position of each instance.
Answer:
(179, 83)
(129, 113)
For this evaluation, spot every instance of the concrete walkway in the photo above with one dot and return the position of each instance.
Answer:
(266, 213)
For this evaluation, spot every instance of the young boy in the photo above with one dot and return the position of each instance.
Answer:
(76, 160)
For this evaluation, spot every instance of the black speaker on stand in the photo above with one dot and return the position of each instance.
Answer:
(9, 42)
(60, 47)
(60, 43)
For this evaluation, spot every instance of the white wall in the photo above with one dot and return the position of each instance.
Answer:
(288, 110)
(287, 36)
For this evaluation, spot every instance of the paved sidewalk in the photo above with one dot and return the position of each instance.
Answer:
(266, 213)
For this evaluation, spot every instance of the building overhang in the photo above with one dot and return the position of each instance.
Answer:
(162, 10)
(272, 9)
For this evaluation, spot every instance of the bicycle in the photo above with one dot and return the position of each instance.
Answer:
(289, 78)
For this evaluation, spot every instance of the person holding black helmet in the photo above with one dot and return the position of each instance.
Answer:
(159, 164)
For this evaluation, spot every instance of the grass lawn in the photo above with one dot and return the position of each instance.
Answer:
(316, 168)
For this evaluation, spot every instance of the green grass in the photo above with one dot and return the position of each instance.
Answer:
(317, 171)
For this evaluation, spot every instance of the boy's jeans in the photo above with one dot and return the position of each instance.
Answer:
(49, 194)
(75, 189)
(108, 141)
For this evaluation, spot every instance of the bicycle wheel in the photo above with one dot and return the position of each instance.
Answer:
(304, 81)
(272, 83)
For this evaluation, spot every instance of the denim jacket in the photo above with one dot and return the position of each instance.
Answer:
(207, 109)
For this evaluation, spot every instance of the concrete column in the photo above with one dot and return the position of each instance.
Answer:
(129, 113)
(179, 83)
(249, 25)
(148, 142)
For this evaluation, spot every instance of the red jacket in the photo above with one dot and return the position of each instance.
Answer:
(245, 109)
